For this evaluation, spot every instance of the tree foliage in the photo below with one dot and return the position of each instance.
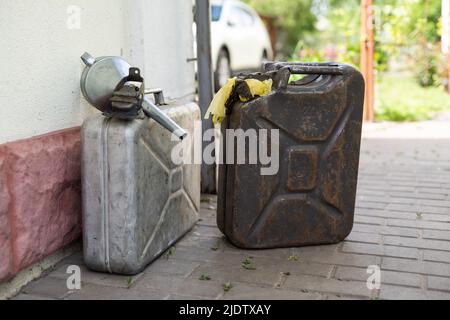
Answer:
(294, 17)
(409, 29)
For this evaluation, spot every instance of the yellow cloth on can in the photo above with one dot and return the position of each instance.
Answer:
(217, 107)
(258, 88)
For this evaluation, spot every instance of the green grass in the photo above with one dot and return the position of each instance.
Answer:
(204, 277)
(227, 286)
(248, 264)
(400, 98)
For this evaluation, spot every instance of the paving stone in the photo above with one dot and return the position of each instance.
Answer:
(208, 212)
(386, 230)
(380, 250)
(405, 293)
(170, 267)
(370, 205)
(362, 191)
(204, 255)
(208, 207)
(206, 231)
(224, 255)
(434, 203)
(402, 188)
(316, 249)
(98, 292)
(208, 222)
(407, 265)
(272, 253)
(24, 296)
(438, 256)
(299, 267)
(267, 272)
(182, 286)
(373, 198)
(338, 258)
(412, 208)
(47, 287)
(92, 277)
(234, 273)
(417, 243)
(193, 240)
(433, 191)
(184, 297)
(74, 259)
(403, 215)
(419, 224)
(334, 297)
(439, 283)
(420, 194)
(387, 277)
(435, 217)
(436, 234)
(369, 220)
(241, 291)
(416, 208)
(364, 237)
(324, 285)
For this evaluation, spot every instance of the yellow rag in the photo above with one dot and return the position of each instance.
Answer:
(258, 88)
(217, 106)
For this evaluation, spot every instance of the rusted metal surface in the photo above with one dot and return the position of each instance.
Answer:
(311, 199)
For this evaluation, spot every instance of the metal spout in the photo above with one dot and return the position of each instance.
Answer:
(152, 111)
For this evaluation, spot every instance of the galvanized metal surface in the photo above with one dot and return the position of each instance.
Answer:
(136, 202)
(311, 200)
(103, 76)
(100, 78)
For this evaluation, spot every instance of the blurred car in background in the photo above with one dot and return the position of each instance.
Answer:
(239, 40)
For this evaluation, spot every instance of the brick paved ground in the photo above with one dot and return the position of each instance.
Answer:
(402, 224)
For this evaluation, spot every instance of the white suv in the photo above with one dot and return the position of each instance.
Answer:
(239, 39)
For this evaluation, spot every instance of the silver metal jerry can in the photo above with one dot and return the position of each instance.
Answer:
(136, 202)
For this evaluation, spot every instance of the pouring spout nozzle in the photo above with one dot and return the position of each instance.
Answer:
(181, 134)
(156, 114)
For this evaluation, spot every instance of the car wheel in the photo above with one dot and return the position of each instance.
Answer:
(223, 70)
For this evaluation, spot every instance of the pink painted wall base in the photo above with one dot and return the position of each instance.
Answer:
(40, 198)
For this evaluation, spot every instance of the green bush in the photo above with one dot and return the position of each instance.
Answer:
(427, 66)
(400, 98)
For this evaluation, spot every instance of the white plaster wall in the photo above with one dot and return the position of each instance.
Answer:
(39, 56)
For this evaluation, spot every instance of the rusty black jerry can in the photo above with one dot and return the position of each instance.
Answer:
(311, 199)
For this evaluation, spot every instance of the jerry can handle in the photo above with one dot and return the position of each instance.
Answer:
(283, 71)
(158, 95)
(305, 67)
